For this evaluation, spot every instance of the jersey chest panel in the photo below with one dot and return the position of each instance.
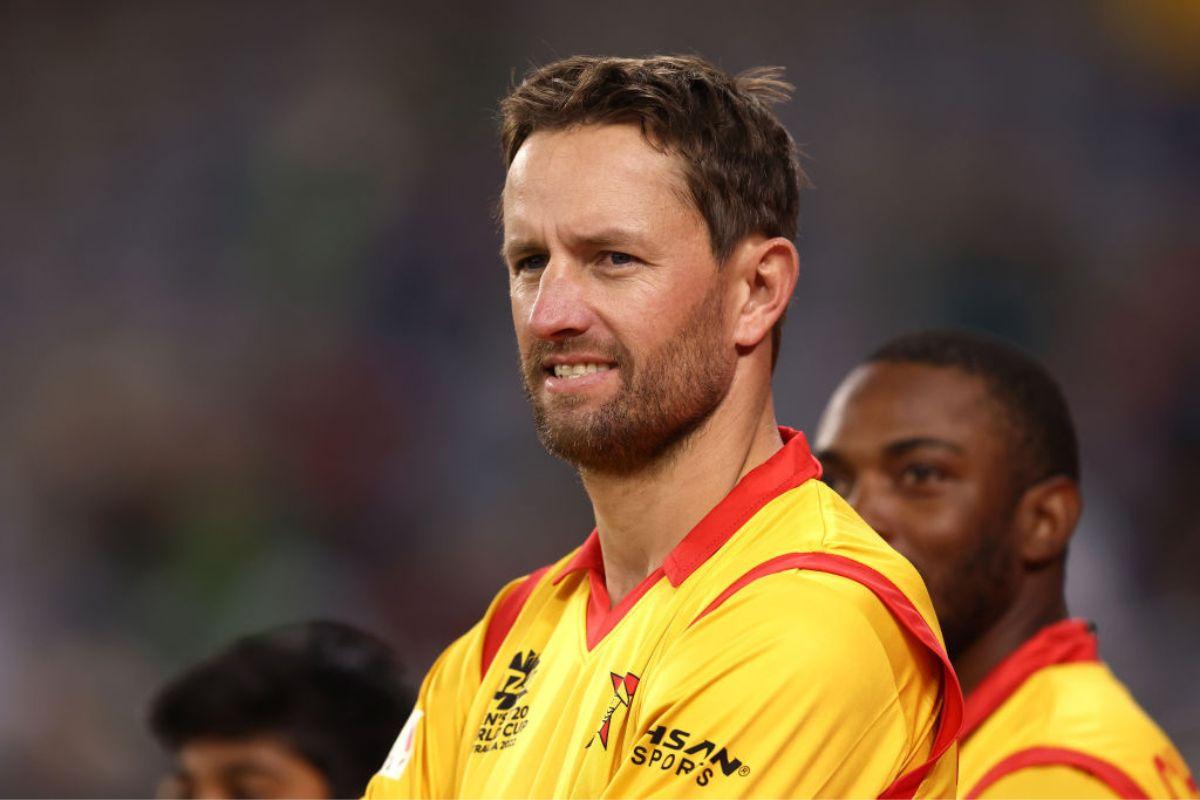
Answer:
(552, 718)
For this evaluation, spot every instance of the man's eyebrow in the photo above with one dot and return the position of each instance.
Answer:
(608, 237)
(245, 769)
(899, 448)
(514, 248)
(603, 238)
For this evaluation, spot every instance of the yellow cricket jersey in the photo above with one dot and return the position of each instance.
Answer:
(782, 649)
(1051, 720)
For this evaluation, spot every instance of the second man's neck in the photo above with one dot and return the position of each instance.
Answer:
(1032, 612)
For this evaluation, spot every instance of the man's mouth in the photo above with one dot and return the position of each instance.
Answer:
(570, 371)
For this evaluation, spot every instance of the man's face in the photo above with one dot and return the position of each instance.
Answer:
(920, 452)
(617, 301)
(243, 768)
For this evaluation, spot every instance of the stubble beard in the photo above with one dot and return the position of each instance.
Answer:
(662, 402)
(979, 593)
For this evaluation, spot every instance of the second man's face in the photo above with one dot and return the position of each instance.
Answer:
(618, 305)
(922, 453)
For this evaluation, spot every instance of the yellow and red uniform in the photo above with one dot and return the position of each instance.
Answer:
(1051, 720)
(782, 649)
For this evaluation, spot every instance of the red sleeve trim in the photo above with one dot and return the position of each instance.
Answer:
(505, 615)
(1170, 773)
(951, 715)
(1109, 774)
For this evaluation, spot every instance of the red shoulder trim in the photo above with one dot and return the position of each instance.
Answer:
(1109, 774)
(950, 718)
(1065, 642)
(792, 465)
(789, 467)
(506, 614)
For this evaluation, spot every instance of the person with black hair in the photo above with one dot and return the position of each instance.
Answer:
(306, 710)
(959, 450)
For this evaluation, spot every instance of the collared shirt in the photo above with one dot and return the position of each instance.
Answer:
(782, 649)
(1051, 720)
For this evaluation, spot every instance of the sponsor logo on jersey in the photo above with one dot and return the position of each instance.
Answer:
(508, 714)
(623, 691)
(680, 752)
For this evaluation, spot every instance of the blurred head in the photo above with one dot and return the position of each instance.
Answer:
(648, 214)
(303, 711)
(960, 451)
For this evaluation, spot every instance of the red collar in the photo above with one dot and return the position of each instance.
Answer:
(1061, 643)
(790, 466)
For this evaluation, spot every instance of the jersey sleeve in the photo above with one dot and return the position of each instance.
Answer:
(423, 761)
(786, 690)
(1049, 781)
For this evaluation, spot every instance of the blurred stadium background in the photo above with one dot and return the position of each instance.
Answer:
(256, 360)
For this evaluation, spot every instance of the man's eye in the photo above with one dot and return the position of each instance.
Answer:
(620, 259)
(530, 263)
(915, 475)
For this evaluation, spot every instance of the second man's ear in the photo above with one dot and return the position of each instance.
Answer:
(1047, 515)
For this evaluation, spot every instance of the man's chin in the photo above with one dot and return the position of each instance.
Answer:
(565, 437)
(584, 444)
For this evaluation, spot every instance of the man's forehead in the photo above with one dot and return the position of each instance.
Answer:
(884, 402)
(256, 753)
(916, 387)
(618, 209)
(589, 162)
(612, 142)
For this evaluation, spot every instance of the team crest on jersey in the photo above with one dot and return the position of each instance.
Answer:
(623, 691)
(508, 714)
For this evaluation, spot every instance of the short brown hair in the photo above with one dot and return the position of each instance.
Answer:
(739, 162)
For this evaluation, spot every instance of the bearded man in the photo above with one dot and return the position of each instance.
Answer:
(730, 627)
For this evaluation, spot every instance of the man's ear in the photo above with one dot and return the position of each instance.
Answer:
(766, 272)
(1046, 518)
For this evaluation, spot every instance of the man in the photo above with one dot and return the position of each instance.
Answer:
(961, 453)
(303, 711)
(648, 213)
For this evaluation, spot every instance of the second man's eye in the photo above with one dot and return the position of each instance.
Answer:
(621, 259)
(915, 475)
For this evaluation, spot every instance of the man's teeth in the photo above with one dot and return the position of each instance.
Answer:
(577, 370)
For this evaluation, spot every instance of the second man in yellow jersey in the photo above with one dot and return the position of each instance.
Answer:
(961, 452)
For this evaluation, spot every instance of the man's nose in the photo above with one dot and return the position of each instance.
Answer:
(560, 309)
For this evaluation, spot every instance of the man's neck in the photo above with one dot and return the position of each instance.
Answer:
(1031, 612)
(642, 517)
